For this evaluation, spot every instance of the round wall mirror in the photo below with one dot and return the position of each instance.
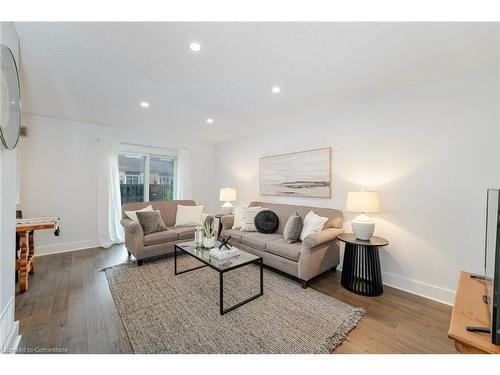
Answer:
(10, 99)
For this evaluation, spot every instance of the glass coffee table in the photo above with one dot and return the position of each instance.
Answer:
(221, 266)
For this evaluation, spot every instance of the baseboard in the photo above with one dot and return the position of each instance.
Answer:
(65, 247)
(419, 288)
(9, 329)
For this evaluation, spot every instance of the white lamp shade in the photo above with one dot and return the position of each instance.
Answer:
(362, 201)
(227, 195)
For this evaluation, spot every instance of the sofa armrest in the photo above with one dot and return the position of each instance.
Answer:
(131, 226)
(321, 237)
(227, 221)
(320, 252)
(134, 238)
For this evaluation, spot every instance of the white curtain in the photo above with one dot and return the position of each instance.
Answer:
(184, 188)
(109, 229)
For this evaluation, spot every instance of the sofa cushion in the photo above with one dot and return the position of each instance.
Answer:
(160, 237)
(285, 210)
(313, 223)
(248, 222)
(284, 249)
(132, 215)
(185, 233)
(234, 233)
(259, 240)
(151, 222)
(168, 209)
(188, 216)
(266, 222)
(293, 228)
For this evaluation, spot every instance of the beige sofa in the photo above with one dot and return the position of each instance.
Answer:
(145, 246)
(303, 260)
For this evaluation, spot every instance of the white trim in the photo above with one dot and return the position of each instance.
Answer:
(13, 340)
(9, 329)
(147, 176)
(419, 288)
(66, 247)
(147, 149)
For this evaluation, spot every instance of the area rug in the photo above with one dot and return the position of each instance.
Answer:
(164, 313)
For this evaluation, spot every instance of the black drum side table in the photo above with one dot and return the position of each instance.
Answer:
(361, 268)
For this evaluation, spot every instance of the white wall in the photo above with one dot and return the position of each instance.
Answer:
(59, 176)
(431, 150)
(8, 191)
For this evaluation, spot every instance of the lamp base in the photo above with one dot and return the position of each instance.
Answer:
(227, 208)
(363, 227)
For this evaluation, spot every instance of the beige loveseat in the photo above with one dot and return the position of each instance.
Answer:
(303, 260)
(145, 246)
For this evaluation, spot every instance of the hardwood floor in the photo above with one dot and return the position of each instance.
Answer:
(69, 308)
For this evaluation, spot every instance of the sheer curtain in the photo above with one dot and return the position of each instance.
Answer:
(184, 189)
(109, 229)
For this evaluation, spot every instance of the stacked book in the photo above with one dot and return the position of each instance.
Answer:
(224, 253)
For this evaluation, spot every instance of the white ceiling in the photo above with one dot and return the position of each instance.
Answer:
(100, 72)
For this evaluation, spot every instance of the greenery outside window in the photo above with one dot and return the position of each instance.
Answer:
(146, 176)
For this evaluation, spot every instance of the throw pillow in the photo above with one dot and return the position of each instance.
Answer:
(239, 213)
(248, 222)
(132, 215)
(266, 221)
(312, 224)
(188, 216)
(293, 228)
(151, 222)
(336, 223)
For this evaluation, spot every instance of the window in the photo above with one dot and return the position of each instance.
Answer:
(146, 176)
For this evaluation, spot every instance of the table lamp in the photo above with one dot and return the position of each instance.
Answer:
(227, 195)
(363, 202)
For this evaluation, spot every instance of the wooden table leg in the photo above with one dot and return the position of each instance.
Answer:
(31, 253)
(23, 261)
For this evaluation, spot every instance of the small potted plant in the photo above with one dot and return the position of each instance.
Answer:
(208, 236)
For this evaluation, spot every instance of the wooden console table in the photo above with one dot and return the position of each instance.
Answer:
(26, 229)
(470, 310)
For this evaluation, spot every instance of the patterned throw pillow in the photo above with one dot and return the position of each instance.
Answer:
(248, 222)
(151, 221)
(239, 213)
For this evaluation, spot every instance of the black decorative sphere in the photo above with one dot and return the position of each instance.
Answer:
(266, 222)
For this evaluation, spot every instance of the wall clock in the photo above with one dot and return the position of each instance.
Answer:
(10, 99)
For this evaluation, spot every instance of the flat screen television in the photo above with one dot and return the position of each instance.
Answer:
(491, 275)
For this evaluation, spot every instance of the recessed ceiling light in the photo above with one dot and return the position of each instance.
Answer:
(276, 90)
(195, 46)
(210, 120)
(144, 104)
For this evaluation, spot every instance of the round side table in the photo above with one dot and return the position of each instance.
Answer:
(361, 268)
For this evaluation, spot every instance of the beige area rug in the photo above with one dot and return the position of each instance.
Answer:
(164, 313)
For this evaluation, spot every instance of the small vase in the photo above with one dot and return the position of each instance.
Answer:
(209, 242)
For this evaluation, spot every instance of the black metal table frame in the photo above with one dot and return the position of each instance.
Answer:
(258, 261)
